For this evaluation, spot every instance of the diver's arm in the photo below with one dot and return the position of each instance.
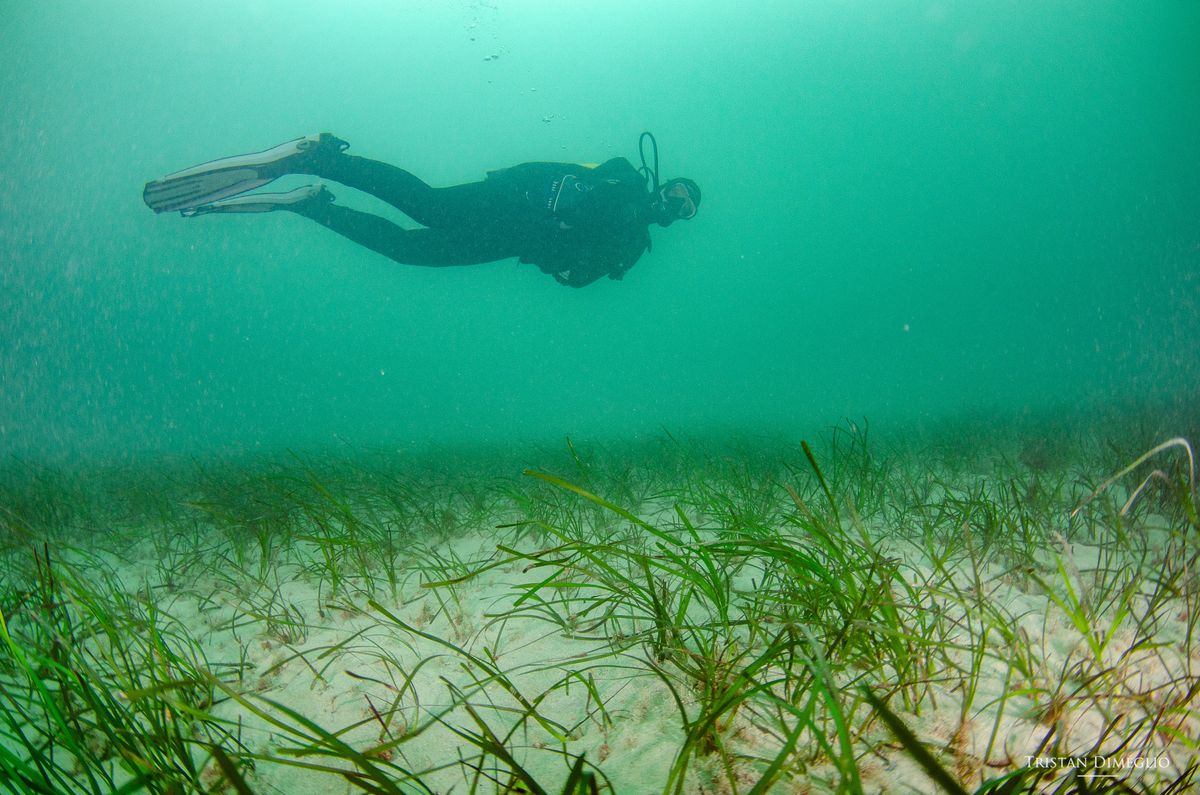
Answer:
(588, 264)
(630, 253)
(577, 277)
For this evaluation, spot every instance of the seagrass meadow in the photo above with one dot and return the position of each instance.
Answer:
(851, 615)
(874, 474)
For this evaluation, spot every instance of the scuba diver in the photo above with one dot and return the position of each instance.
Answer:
(574, 222)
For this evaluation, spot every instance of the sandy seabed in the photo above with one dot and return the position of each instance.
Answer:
(668, 617)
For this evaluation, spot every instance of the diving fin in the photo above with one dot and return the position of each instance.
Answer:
(211, 182)
(261, 202)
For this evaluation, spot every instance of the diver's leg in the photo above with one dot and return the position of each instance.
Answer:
(426, 247)
(324, 155)
(460, 206)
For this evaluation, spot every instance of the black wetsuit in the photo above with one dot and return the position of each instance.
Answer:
(574, 222)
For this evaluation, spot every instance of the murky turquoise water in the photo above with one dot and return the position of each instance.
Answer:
(912, 211)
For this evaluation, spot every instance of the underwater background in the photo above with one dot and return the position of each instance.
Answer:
(875, 477)
(913, 211)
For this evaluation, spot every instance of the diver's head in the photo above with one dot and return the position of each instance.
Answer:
(677, 199)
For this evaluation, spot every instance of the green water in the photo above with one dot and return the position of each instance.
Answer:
(912, 211)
